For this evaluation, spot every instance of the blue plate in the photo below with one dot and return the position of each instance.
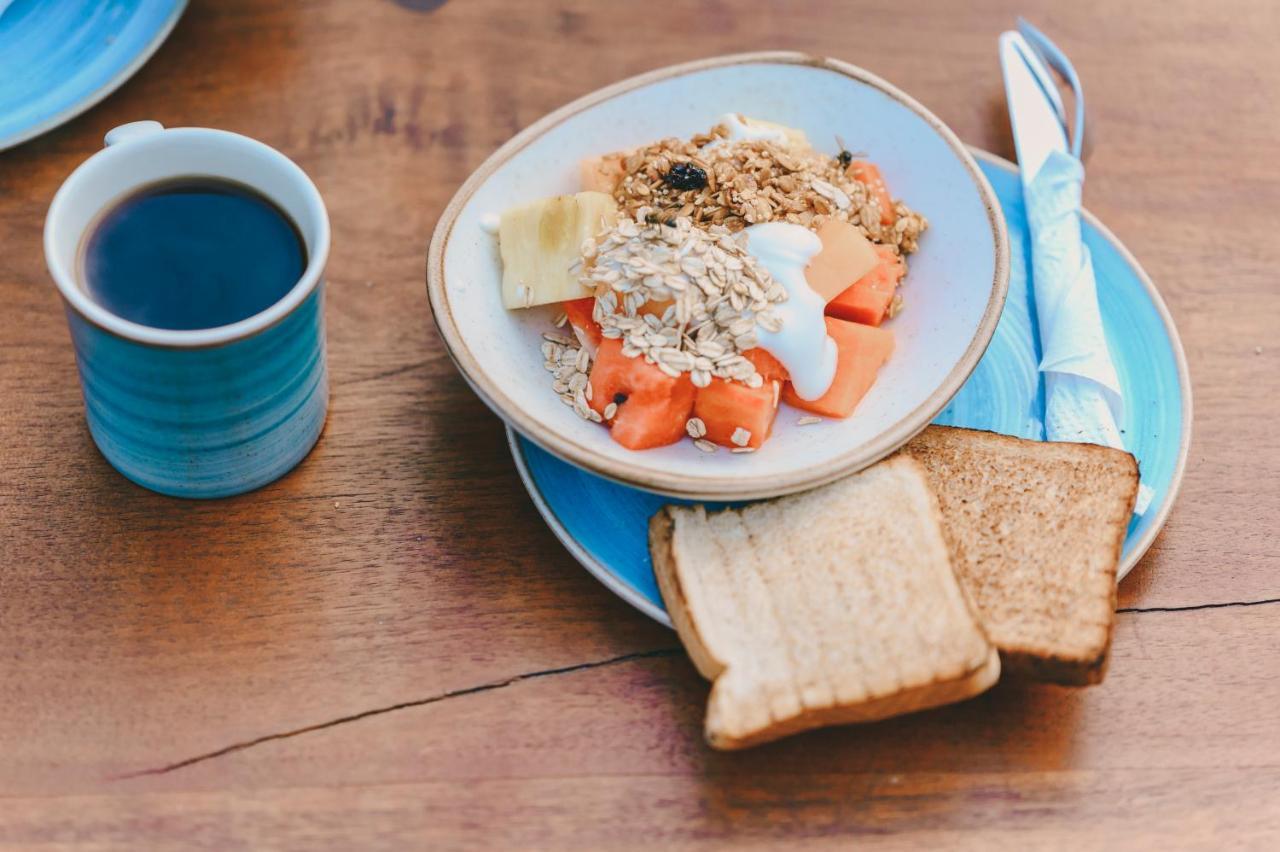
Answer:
(604, 524)
(60, 57)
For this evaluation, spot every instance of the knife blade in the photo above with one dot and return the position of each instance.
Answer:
(1037, 129)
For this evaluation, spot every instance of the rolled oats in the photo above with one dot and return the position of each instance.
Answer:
(708, 279)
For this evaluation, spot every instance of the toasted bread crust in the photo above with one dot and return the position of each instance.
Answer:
(661, 529)
(970, 467)
(928, 696)
(827, 677)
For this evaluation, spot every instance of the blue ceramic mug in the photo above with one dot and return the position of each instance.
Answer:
(206, 412)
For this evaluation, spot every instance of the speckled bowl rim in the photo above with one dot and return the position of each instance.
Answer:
(736, 487)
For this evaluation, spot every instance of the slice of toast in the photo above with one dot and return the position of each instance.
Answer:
(1035, 531)
(834, 606)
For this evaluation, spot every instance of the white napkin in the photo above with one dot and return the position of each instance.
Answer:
(1083, 402)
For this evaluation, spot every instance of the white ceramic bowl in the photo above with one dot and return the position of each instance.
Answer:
(953, 293)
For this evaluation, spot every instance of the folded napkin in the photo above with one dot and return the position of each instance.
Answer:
(1083, 402)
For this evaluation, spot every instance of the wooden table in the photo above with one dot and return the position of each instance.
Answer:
(388, 648)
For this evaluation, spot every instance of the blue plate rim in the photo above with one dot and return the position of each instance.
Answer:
(95, 97)
(623, 590)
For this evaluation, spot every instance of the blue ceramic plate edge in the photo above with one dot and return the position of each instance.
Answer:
(102, 92)
(597, 570)
(633, 597)
(1141, 546)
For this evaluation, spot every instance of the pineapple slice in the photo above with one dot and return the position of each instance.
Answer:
(539, 242)
(744, 127)
(796, 139)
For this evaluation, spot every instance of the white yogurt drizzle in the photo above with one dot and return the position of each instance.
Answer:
(740, 129)
(802, 344)
(490, 223)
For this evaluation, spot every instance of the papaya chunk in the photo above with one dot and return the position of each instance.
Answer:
(846, 256)
(580, 313)
(769, 367)
(869, 174)
(863, 349)
(726, 406)
(601, 174)
(867, 300)
(652, 407)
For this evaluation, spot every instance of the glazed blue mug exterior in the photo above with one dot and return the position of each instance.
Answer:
(206, 412)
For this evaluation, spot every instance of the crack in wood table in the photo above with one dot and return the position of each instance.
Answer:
(387, 648)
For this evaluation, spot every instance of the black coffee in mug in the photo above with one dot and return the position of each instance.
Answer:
(191, 253)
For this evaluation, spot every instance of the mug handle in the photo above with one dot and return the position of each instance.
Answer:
(132, 130)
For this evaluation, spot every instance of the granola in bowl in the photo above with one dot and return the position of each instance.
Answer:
(745, 182)
(708, 281)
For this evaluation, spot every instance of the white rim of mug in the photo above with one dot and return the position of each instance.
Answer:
(78, 299)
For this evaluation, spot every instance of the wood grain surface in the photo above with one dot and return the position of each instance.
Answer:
(388, 649)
